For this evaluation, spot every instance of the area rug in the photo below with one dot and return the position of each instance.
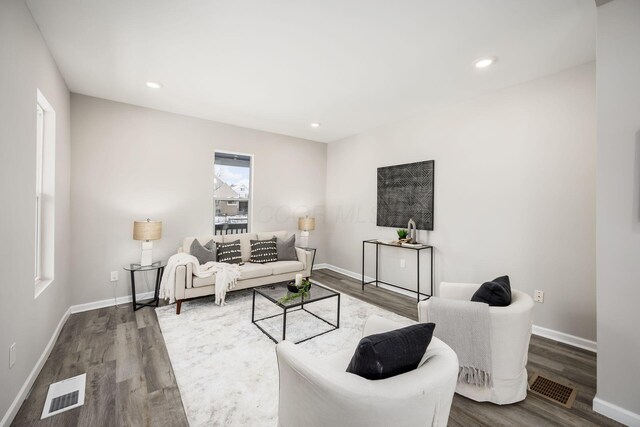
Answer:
(226, 368)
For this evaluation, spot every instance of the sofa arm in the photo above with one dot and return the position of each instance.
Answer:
(306, 258)
(184, 280)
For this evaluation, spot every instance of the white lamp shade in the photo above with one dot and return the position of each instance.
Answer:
(147, 230)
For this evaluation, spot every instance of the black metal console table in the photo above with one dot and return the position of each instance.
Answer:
(377, 244)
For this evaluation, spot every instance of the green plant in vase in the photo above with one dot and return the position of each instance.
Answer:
(402, 233)
(303, 291)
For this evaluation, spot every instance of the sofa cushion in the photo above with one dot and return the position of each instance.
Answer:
(264, 251)
(199, 282)
(496, 293)
(385, 355)
(204, 253)
(245, 243)
(269, 234)
(229, 252)
(287, 248)
(252, 270)
(281, 267)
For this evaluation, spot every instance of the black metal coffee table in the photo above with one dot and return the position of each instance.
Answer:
(276, 292)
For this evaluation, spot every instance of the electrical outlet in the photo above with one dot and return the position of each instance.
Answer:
(12, 355)
(538, 296)
(114, 276)
(403, 263)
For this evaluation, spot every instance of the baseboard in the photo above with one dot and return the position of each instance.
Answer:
(108, 302)
(571, 340)
(24, 390)
(562, 337)
(615, 412)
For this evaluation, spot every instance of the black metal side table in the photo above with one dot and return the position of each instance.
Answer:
(158, 266)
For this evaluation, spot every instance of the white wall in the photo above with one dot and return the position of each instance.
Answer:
(618, 210)
(130, 163)
(30, 323)
(514, 194)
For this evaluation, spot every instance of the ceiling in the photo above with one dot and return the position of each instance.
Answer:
(279, 65)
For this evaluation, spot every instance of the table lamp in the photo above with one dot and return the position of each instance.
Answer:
(147, 230)
(305, 224)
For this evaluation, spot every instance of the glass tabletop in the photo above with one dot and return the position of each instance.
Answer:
(137, 267)
(276, 292)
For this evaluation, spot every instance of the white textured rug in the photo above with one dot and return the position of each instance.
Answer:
(226, 367)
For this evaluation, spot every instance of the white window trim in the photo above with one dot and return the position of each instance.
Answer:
(251, 187)
(45, 193)
(38, 225)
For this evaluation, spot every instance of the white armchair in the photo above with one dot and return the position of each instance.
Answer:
(318, 392)
(510, 334)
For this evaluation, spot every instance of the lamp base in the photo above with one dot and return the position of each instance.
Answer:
(304, 239)
(146, 257)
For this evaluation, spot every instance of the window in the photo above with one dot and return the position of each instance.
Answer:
(231, 192)
(44, 214)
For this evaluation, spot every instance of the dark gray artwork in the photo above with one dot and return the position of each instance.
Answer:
(404, 192)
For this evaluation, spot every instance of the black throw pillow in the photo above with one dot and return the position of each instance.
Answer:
(229, 252)
(263, 251)
(496, 293)
(391, 353)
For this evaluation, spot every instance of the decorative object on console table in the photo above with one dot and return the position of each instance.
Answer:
(134, 268)
(306, 224)
(402, 233)
(406, 191)
(402, 245)
(412, 231)
(146, 231)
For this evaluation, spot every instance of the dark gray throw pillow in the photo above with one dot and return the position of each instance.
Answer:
(496, 293)
(391, 353)
(206, 253)
(287, 249)
(229, 252)
(263, 251)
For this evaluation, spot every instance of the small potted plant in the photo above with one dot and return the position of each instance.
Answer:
(298, 291)
(402, 233)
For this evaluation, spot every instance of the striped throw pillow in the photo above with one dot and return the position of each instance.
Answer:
(263, 251)
(229, 252)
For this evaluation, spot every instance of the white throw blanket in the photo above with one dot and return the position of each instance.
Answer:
(466, 327)
(226, 276)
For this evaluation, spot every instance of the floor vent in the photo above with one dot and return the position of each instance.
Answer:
(552, 390)
(64, 395)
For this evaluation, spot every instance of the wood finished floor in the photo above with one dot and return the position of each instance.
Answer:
(130, 381)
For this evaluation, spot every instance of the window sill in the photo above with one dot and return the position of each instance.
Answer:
(41, 285)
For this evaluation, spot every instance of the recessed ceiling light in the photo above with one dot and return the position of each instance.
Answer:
(484, 62)
(154, 85)
(315, 125)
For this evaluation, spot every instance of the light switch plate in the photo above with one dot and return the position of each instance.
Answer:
(114, 276)
(403, 263)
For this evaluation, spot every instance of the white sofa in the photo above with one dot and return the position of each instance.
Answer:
(318, 392)
(510, 334)
(251, 274)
